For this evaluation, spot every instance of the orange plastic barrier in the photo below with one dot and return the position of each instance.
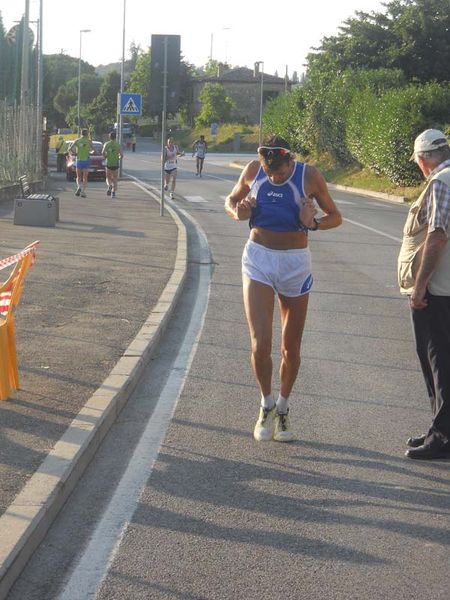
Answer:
(10, 293)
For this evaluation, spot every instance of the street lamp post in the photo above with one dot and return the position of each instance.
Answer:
(260, 63)
(122, 82)
(79, 80)
(24, 91)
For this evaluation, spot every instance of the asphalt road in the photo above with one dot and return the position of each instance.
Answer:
(181, 503)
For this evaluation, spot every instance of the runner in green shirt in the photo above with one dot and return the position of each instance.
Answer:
(112, 153)
(82, 148)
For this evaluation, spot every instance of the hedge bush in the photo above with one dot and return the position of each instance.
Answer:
(366, 117)
(328, 98)
(381, 131)
(283, 115)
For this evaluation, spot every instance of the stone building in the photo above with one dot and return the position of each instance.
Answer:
(243, 85)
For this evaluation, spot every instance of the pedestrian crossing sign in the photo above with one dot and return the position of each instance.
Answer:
(130, 104)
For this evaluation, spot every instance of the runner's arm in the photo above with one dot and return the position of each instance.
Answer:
(237, 204)
(316, 188)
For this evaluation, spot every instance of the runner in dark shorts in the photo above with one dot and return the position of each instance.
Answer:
(112, 153)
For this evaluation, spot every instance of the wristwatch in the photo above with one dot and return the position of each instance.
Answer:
(317, 222)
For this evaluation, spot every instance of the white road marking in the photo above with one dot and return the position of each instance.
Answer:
(219, 178)
(344, 202)
(105, 540)
(376, 205)
(391, 237)
(195, 199)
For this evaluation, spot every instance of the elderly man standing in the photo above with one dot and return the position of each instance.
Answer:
(424, 275)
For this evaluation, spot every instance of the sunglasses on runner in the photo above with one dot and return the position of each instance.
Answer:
(268, 151)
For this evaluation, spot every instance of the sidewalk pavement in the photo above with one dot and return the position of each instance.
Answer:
(96, 301)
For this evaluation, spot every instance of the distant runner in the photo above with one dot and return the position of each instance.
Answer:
(82, 148)
(112, 153)
(199, 149)
(171, 152)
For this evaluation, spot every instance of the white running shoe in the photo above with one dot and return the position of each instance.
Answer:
(171, 195)
(282, 430)
(263, 431)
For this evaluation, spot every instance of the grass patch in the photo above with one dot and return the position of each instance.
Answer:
(223, 141)
(353, 176)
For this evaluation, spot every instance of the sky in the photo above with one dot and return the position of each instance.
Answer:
(239, 32)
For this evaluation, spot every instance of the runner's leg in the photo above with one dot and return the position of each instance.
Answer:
(293, 316)
(174, 179)
(259, 305)
(79, 178)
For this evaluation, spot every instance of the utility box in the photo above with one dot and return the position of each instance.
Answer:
(34, 212)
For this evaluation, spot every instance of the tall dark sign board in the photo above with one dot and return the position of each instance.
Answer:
(157, 73)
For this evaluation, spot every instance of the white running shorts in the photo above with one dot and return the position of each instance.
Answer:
(288, 272)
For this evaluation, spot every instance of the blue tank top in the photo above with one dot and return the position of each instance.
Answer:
(278, 204)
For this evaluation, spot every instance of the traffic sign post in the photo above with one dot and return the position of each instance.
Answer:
(165, 71)
(129, 105)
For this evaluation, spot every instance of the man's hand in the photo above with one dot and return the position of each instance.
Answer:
(244, 208)
(417, 299)
(307, 213)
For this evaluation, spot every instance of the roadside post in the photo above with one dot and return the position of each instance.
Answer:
(129, 105)
(163, 123)
(164, 86)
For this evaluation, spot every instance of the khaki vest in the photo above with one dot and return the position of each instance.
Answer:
(414, 236)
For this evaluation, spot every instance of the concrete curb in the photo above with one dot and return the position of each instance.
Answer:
(26, 521)
(369, 193)
(351, 190)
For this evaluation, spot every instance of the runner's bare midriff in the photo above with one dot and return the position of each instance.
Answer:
(279, 240)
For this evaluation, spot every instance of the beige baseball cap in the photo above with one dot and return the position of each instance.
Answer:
(430, 139)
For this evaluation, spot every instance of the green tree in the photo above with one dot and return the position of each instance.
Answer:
(211, 68)
(58, 70)
(103, 109)
(67, 95)
(139, 82)
(412, 35)
(135, 51)
(216, 105)
(8, 66)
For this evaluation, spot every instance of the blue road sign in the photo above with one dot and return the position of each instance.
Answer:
(130, 104)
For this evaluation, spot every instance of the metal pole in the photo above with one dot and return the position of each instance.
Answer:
(39, 88)
(122, 81)
(79, 80)
(79, 88)
(25, 55)
(261, 103)
(211, 48)
(163, 122)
